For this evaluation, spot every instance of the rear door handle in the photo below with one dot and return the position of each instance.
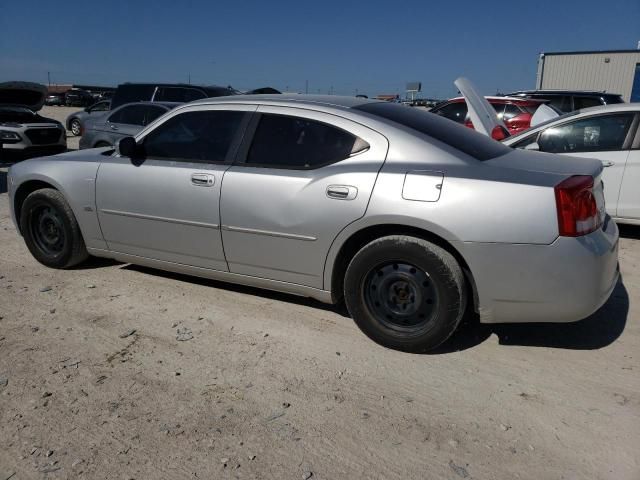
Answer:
(203, 179)
(113, 127)
(607, 164)
(342, 192)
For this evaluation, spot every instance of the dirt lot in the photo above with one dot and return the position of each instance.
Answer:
(115, 371)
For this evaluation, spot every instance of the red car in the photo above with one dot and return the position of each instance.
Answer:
(516, 113)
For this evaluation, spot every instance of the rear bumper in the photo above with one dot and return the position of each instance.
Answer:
(562, 282)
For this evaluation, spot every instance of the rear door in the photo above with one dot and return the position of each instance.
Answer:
(303, 177)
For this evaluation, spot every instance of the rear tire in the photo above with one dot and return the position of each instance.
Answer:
(50, 230)
(405, 293)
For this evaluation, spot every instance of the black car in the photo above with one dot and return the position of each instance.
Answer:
(78, 98)
(56, 99)
(165, 92)
(570, 100)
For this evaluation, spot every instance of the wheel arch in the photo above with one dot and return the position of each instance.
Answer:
(24, 190)
(358, 239)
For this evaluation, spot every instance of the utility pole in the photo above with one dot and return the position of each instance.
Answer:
(49, 78)
(189, 78)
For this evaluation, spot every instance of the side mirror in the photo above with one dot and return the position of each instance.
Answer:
(533, 146)
(127, 147)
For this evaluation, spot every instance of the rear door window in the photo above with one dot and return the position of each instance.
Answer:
(500, 109)
(178, 94)
(585, 102)
(203, 136)
(598, 133)
(130, 115)
(456, 111)
(561, 102)
(282, 141)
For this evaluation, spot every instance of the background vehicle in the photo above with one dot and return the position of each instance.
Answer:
(105, 129)
(75, 120)
(394, 209)
(78, 98)
(609, 134)
(54, 99)
(516, 113)
(570, 100)
(23, 132)
(165, 92)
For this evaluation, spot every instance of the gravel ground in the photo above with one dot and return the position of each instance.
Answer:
(116, 371)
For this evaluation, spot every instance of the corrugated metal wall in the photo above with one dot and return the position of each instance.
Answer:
(590, 71)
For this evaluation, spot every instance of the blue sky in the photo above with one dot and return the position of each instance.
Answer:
(372, 47)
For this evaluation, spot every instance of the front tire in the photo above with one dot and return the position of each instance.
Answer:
(75, 127)
(50, 229)
(405, 293)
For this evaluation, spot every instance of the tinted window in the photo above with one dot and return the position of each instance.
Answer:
(611, 99)
(461, 138)
(601, 133)
(561, 102)
(132, 93)
(453, 111)
(136, 114)
(178, 94)
(204, 136)
(526, 141)
(585, 102)
(293, 142)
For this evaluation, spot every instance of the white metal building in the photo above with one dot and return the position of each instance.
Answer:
(613, 71)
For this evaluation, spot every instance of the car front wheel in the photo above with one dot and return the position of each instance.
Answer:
(405, 293)
(50, 229)
(75, 127)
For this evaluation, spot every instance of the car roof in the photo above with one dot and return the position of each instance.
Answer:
(163, 104)
(548, 91)
(505, 99)
(290, 99)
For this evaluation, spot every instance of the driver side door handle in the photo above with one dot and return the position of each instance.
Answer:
(203, 179)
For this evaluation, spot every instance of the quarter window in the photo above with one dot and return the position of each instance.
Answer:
(299, 143)
(511, 111)
(204, 136)
(585, 102)
(600, 133)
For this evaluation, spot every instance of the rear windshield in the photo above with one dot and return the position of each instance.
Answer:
(462, 138)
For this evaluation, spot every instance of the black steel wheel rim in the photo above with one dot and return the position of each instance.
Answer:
(401, 296)
(47, 230)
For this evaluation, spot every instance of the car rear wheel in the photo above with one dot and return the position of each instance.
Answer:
(50, 229)
(405, 293)
(75, 127)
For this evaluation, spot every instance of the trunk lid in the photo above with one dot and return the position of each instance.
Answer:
(23, 94)
(531, 161)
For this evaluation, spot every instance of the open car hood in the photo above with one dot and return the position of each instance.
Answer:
(23, 94)
(482, 114)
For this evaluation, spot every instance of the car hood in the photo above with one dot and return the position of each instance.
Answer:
(23, 94)
(531, 161)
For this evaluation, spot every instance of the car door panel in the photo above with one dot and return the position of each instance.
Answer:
(629, 200)
(279, 223)
(168, 209)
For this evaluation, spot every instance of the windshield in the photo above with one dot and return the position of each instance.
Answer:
(460, 137)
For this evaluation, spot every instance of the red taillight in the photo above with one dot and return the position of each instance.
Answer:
(576, 206)
(499, 133)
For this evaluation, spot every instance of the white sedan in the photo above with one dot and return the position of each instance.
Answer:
(609, 134)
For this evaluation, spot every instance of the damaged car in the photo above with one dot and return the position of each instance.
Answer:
(407, 216)
(24, 133)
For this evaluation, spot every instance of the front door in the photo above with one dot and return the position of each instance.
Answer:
(166, 207)
(303, 178)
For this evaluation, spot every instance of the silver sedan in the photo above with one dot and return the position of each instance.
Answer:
(408, 217)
